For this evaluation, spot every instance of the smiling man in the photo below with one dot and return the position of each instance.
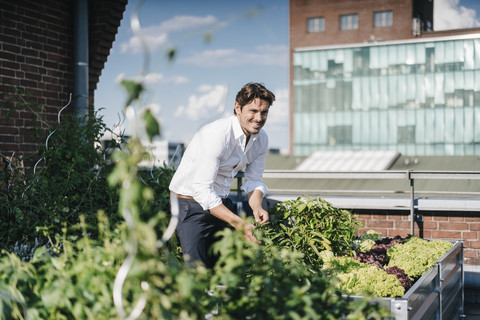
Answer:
(210, 163)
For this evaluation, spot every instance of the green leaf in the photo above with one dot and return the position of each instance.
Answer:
(39, 252)
(171, 53)
(57, 263)
(151, 125)
(134, 89)
(301, 207)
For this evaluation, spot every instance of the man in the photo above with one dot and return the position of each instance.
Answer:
(210, 163)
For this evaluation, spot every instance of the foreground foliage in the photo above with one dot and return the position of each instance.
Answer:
(251, 282)
(77, 282)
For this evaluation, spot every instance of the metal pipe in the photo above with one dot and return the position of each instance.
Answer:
(80, 81)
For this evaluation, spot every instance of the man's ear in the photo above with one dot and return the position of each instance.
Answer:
(238, 108)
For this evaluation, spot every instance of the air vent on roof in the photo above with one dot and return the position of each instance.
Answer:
(417, 27)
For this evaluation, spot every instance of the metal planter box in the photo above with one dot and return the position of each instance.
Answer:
(438, 294)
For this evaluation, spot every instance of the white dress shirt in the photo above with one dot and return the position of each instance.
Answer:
(213, 158)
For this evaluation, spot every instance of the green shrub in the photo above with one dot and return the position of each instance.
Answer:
(69, 181)
(310, 225)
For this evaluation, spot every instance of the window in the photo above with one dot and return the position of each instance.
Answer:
(315, 25)
(349, 22)
(383, 19)
(428, 25)
(339, 135)
(406, 135)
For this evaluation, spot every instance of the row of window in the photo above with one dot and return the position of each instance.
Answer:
(350, 21)
(431, 131)
(342, 135)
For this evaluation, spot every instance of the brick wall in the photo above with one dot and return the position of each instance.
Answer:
(464, 226)
(331, 10)
(105, 17)
(36, 58)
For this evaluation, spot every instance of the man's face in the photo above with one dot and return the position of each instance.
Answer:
(252, 116)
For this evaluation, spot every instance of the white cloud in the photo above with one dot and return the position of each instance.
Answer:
(152, 42)
(180, 23)
(210, 101)
(158, 35)
(154, 78)
(449, 14)
(178, 80)
(261, 55)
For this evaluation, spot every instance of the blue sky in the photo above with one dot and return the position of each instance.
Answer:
(247, 42)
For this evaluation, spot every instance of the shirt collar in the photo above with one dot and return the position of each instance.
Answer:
(237, 129)
(239, 134)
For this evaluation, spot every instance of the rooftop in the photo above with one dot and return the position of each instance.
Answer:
(350, 187)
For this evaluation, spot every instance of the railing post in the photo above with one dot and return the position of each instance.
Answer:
(412, 202)
(239, 193)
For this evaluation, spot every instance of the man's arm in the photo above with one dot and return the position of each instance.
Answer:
(255, 199)
(235, 221)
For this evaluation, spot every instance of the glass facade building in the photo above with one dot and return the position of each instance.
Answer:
(417, 97)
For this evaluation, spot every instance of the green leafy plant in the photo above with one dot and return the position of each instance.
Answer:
(417, 255)
(359, 278)
(69, 180)
(388, 269)
(367, 241)
(310, 225)
(252, 281)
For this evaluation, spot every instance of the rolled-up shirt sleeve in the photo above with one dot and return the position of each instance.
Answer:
(254, 170)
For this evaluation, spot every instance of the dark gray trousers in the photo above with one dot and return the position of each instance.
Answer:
(196, 231)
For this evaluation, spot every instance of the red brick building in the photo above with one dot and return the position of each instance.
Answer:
(320, 26)
(40, 56)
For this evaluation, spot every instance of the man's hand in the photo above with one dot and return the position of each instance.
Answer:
(237, 222)
(255, 199)
(248, 232)
(261, 216)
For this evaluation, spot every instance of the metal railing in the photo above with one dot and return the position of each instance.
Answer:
(409, 175)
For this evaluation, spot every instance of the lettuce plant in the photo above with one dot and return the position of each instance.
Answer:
(417, 255)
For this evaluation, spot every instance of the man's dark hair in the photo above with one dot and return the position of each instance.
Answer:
(251, 91)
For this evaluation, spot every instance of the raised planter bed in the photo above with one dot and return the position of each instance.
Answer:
(438, 294)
